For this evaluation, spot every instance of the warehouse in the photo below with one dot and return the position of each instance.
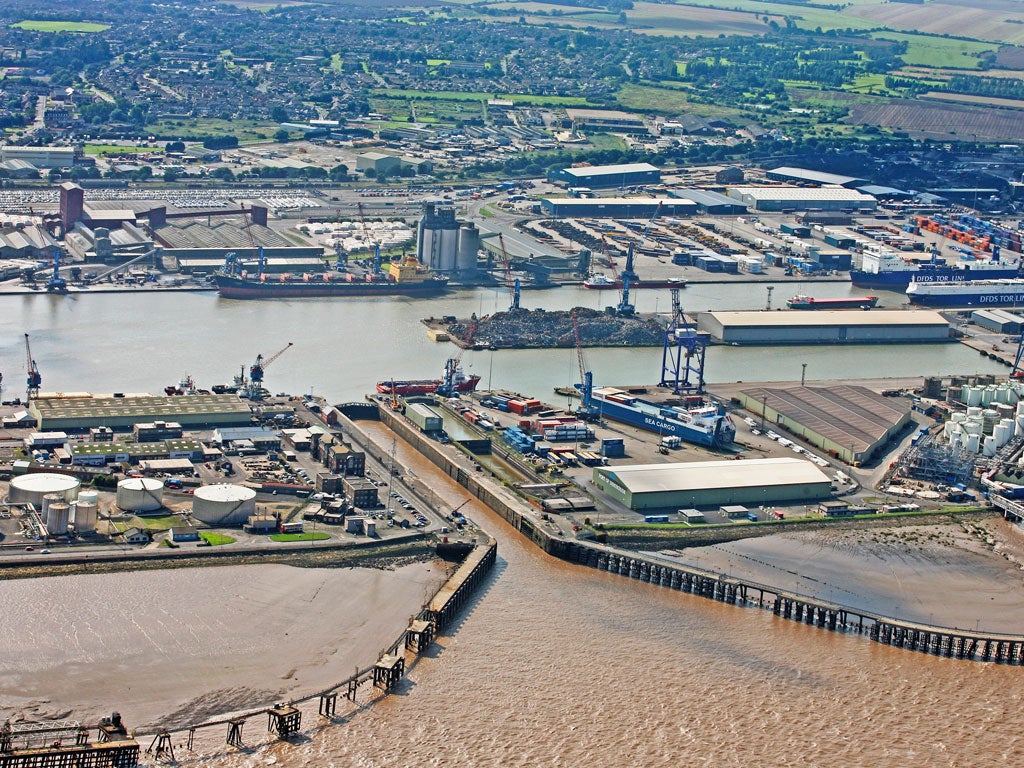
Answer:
(848, 422)
(84, 411)
(998, 320)
(802, 199)
(618, 207)
(668, 487)
(710, 203)
(606, 120)
(841, 326)
(805, 175)
(605, 176)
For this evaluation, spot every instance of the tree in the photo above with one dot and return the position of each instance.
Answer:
(339, 173)
(279, 114)
(282, 136)
(224, 173)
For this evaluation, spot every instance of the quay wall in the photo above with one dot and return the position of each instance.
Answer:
(941, 641)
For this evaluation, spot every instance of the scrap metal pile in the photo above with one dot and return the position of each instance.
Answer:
(540, 328)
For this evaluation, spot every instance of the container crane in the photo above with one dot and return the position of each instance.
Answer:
(586, 410)
(682, 355)
(624, 308)
(254, 389)
(34, 379)
(512, 284)
(57, 283)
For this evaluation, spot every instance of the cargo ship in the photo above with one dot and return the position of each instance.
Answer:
(979, 293)
(460, 381)
(602, 281)
(699, 421)
(407, 278)
(850, 302)
(892, 271)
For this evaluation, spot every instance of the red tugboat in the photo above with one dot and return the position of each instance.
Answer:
(461, 383)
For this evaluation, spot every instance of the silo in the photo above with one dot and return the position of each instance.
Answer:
(469, 245)
(86, 513)
(973, 443)
(989, 448)
(57, 516)
(223, 504)
(438, 237)
(49, 499)
(89, 497)
(30, 489)
(140, 494)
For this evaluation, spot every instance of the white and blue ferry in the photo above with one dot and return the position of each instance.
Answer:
(978, 293)
(888, 269)
(704, 424)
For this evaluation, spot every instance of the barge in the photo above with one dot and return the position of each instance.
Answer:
(851, 302)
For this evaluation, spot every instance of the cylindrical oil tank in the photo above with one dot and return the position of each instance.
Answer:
(973, 443)
(49, 499)
(30, 489)
(469, 244)
(140, 494)
(223, 504)
(989, 448)
(89, 496)
(973, 411)
(86, 513)
(58, 513)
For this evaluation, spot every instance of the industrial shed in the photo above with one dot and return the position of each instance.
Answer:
(712, 203)
(841, 326)
(649, 487)
(605, 176)
(82, 412)
(998, 320)
(802, 198)
(805, 175)
(618, 207)
(849, 422)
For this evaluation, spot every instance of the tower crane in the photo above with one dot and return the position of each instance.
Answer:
(624, 308)
(682, 355)
(512, 285)
(375, 243)
(34, 379)
(57, 283)
(254, 389)
(587, 410)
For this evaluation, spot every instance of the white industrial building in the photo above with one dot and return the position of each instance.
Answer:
(802, 198)
(841, 326)
(647, 487)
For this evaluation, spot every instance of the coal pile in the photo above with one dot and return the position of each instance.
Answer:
(539, 328)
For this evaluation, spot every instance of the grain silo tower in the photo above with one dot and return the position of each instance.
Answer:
(223, 504)
(469, 245)
(140, 494)
(438, 238)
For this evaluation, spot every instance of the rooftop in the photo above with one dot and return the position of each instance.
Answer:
(145, 407)
(801, 193)
(789, 318)
(703, 475)
(611, 170)
(818, 177)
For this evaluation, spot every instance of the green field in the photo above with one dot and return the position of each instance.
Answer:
(216, 539)
(667, 101)
(162, 523)
(199, 128)
(114, 149)
(939, 52)
(518, 98)
(60, 26)
(307, 536)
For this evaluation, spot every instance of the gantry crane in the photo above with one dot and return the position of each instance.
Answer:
(682, 355)
(586, 410)
(512, 285)
(254, 389)
(34, 379)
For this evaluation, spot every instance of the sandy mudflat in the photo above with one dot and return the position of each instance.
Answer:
(950, 575)
(173, 647)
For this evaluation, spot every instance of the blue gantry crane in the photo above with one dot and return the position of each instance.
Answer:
(682, 355)
(586, 409)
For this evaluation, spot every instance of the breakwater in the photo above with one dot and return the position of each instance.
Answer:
(940, 641)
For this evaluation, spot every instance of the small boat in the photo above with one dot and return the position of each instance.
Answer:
(850, 302)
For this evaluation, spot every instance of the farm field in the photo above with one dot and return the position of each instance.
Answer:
(930, 51)
(805, 17)
(984, 101)
(980, 22)
(964, 123)
(646, 98)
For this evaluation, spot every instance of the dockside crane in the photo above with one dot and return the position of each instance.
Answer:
(57, 283)
(586, 410)
(624, 308)
(682, 356)
(513, 285)
(451, 365)
(34, 378)
(254, 389)
(375, 243)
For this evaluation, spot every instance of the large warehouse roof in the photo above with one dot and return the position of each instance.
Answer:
(816, 177)
(850, 416)
(848, 317)
(801, 193)
(587, 171)
(705, 475)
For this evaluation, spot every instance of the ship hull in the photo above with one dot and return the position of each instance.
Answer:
(901, 279)
(616, 285)
(230, 287)
(969, 298)
(854, 302)
(718, 435)
(424, 386)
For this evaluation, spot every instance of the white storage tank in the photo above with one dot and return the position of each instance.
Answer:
(989, 448)
(49, 499)
(223, 504)
(140, 494)
(86, 514)
(469, 244)
(973, 443)
(89, 497)
(58, 514)
(1002, 433)
(30, 489)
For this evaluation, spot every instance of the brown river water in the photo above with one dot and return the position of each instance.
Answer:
(559, 665)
